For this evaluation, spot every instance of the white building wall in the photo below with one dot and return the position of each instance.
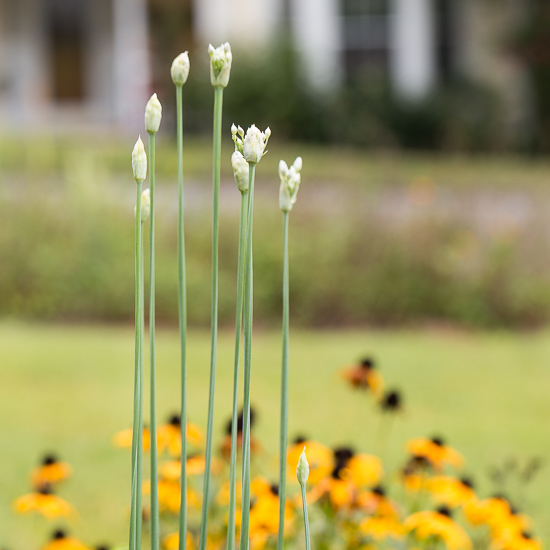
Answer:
(413, 48)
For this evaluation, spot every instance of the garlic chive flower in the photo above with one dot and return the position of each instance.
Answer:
(153, 115)
(290, 183)
(252, 145)
(302, 469)
(240, 171)
(139, 161)
(145, 205)
(220, 64)
(180, 69)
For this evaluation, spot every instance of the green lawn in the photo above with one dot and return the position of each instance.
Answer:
(68, 389)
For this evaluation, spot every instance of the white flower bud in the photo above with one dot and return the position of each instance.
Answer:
(241, 171)
(233, 130)
(153, 115)
(290, 183)
(180, 69)
(240, 131)
(220, 64)
(139, 161)
(145, 205)
(302, 470)
(254, 144)
(267, 132)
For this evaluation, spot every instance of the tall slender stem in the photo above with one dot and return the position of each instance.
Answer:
(182, 304)
(284, 391)
(248, 317)
(139, 458)
(218, 103)
(153, 413)
(135, 488)
(306, 519)
(238, 329)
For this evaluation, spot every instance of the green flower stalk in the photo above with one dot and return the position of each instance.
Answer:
(302, 473)
(179, 72)
(290, 183)
(220, 68)
(252, 147)
(139, 168)
(153, 116)
(241, 174)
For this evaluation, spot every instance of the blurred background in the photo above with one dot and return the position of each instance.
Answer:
(424, 124)
(420, 236)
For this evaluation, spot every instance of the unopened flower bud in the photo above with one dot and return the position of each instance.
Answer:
(139, 161)
(220, 64)
(290, 183)
(233, 130)
(254, 144)
(241, 171)
(153, 115)
(180, 69)
(302, 469)
(145, 205)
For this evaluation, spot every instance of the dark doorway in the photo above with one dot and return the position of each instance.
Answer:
(66, 20)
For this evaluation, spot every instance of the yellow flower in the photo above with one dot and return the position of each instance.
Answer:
(171, 541)
(123, 439)
(50, 471)
(43, 502)
(380, 528)
(169, 495)
(364, 376)
(60, 541)
(517, 541)
(225, 447)
(376, 503)
(438, 524)
(320, 459)
(195, 466)
(436, 452)
(493, 511)
(450, 491)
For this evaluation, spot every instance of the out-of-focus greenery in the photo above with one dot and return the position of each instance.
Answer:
(375, 238)
(67, 390)
(270, 89)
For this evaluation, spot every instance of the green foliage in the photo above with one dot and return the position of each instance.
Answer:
(66, 246)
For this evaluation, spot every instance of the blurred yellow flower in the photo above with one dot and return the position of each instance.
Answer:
(51, 471)
(44, 502)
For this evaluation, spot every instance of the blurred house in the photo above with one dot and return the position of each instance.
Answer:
(88, 62)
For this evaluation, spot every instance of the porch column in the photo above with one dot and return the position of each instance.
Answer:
(413, 48)
(131, 63)
(317, 36)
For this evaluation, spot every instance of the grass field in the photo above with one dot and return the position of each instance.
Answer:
(68, 389)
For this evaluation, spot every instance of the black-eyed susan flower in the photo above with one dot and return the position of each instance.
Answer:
(171, 541)
(377, 503)
(169, 495)
(516, 541)
(61, 541)
(381, 528)
(392, 402)
(493, 511)
(364, 376)
(123, 439)
(225, 448)
(195, 466)
(439, 525)
(319, 457)
(450, 491)
(415, 473)
(44, 502)
(338, 489)
(51, 471)
(436, 451)
(264, 513)
(364, 470)
(169, 436)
